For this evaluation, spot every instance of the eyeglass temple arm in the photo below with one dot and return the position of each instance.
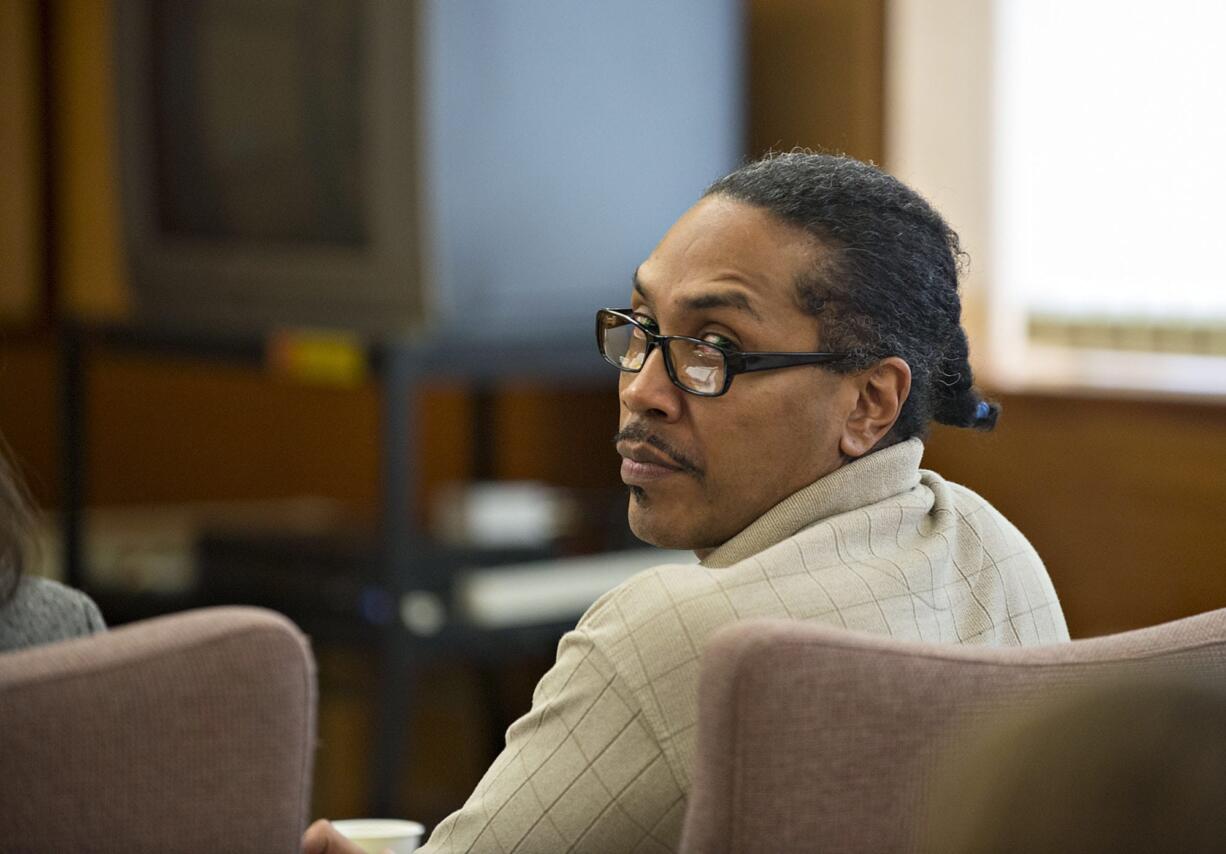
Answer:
(745, 362)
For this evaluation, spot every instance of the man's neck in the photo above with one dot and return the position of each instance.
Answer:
(869, 479)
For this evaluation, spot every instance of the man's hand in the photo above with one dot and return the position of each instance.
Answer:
(322, 838)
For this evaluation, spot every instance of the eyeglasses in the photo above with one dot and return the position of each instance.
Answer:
(695, 366)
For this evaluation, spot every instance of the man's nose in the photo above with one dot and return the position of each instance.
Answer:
(650, 392)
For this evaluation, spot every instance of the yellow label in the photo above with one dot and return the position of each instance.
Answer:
(317, 356)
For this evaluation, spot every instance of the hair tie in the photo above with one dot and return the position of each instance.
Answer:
(982, 411)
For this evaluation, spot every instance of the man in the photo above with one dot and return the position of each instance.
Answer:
(787, 345)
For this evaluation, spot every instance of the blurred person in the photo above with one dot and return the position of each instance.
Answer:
(1121, 767)
(788, 343)
(32, 610)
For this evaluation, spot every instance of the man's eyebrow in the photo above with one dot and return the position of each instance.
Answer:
(727, 299)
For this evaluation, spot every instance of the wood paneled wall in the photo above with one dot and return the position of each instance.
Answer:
(816, 71)
(90, 252)
(167, 430)
(21, 166)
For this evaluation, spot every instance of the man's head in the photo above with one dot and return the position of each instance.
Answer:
(794, 253)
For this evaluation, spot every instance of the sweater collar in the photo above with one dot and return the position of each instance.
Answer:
(866, 481)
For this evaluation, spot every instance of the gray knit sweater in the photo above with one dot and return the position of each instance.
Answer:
(42, 611)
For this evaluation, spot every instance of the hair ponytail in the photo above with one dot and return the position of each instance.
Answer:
(956, 401)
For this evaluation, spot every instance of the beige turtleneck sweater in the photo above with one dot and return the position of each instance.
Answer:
(602, 760)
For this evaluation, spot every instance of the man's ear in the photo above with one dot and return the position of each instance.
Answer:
(882, 390)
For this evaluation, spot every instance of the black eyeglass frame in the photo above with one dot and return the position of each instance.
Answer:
(735, 361)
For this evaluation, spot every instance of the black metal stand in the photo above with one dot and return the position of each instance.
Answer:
(72, 455)
(397, 534)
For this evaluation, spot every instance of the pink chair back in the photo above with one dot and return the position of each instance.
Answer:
(818, 739)
(189, 732)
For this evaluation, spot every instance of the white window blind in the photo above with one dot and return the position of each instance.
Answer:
(1109, 172)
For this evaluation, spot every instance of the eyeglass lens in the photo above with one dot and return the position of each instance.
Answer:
(696, 366)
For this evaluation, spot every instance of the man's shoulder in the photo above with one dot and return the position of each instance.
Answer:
(644, 597)
(661, 618)
(967, 507)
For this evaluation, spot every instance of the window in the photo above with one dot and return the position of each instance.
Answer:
(1093, 179)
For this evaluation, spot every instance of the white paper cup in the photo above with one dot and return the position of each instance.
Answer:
(376, 835)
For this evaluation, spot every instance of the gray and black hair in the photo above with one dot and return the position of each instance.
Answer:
(885, 282)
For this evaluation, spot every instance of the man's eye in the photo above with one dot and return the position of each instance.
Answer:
(723, 342)
(644, 320)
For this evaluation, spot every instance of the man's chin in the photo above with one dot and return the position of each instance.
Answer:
(659, 529)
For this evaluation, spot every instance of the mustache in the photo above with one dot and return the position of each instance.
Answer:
(638, 432)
